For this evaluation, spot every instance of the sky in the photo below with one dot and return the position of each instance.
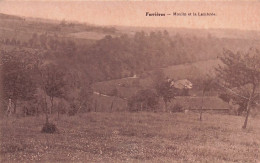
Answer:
(243, 15)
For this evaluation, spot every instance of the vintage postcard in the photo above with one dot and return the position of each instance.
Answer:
(129, 81)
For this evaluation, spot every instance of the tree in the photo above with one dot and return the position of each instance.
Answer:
(113, 93)
(18, 79)
(164, 87)
(166, 91)
(241, 101)
(79, 98)
(241, 71)
(53, 84)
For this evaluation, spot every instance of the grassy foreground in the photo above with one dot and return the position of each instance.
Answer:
(131, 137)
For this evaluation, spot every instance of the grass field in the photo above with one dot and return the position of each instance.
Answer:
(132, 137)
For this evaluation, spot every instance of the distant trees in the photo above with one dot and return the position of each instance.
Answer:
(32, 42)
(240, 75)
(113, 56)
(43, 41)
(121, 56)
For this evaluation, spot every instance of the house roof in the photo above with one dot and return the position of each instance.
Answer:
(181, 84)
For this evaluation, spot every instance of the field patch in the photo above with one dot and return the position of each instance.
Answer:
(191, 71)
(88, 35)
(131, 137)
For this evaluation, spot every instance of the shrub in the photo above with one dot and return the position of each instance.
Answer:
(29, 111)
(73, 110)
(49, 128)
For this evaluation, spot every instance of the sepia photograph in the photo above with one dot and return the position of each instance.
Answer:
(129, 81)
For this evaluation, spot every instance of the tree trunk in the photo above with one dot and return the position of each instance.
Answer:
(51, 105)
(46, 111)
(112, 104)
(247, 114)
(200, 115)
(248, 107)
(80, 106)
(15, 106)
(15, 94)
(111, 107)
(95, 105)
(58, 112)
(37, 111)
(165, 106)
(202, 105)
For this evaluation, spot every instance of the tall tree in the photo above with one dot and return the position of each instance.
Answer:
(164, 88)
(166, 91)
(53, 84)
(241, 71)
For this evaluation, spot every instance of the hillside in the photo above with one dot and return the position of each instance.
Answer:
(192, 71)
(10, 17)
(104, 59)
(188, 32)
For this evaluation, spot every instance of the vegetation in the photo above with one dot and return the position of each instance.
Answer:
(240, 74)
(49, 128)
(131, 137)
(208, 84)
(144, 100)
(18, 81)
(47, 69)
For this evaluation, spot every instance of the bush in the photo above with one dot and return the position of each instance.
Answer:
(73, 110)
(49, 128)
(29, 111)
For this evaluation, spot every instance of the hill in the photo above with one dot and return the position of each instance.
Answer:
(188, 32)
(10, 17)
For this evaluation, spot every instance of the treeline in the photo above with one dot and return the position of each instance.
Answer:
(118, 57)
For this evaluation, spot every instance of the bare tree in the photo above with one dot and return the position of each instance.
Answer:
(53, 84)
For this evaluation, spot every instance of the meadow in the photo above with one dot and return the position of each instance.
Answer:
(131, 137)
